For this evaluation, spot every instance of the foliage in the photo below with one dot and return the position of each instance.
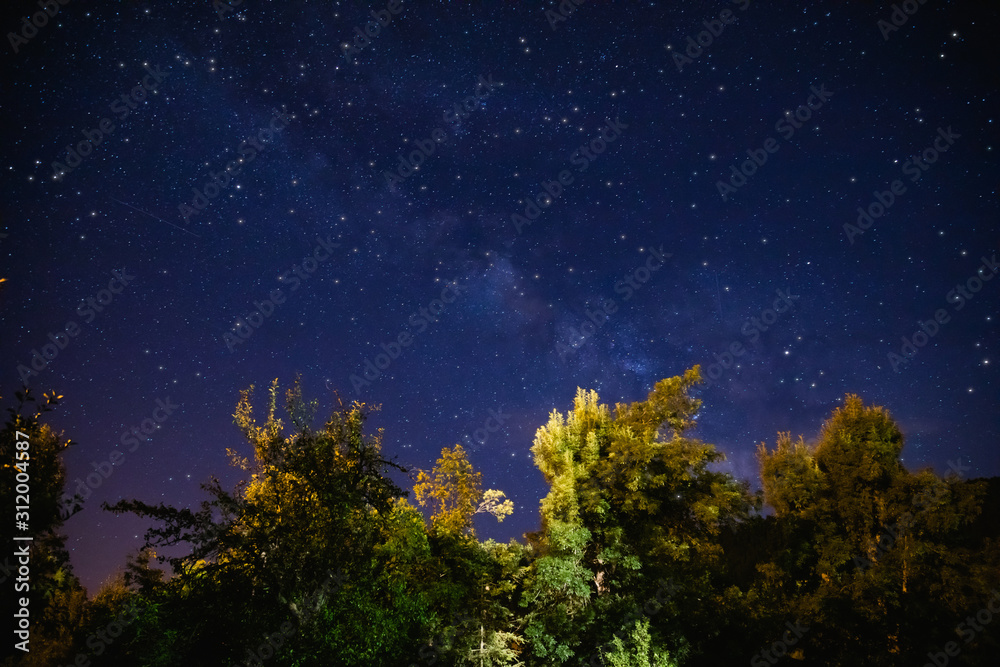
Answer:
(453, 491)
(637, 650)
(55, 597)
(647, 553)
(634, 499)
(867, 541)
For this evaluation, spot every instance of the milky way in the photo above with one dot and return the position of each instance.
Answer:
(473, 211)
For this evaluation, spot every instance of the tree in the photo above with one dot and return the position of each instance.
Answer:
(468, 587)
(633, 501)
(638, 650)
(494, 650)
(317, 557)
(31, 484)
(790, 476)
(453, 491)
(868, 540)
(316, 503)
(560, 584)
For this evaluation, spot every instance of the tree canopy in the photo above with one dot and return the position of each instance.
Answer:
(648, 554)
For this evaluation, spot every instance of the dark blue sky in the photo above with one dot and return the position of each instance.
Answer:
(240, 157)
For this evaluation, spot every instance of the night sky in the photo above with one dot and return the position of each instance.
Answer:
(608, 120)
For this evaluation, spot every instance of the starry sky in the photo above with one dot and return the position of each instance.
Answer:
(506, 201)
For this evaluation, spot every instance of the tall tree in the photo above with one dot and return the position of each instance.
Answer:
(316, 502)
(453, 492)
(633, 501)
(868, 538)
(31, 484)
(468, 586)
